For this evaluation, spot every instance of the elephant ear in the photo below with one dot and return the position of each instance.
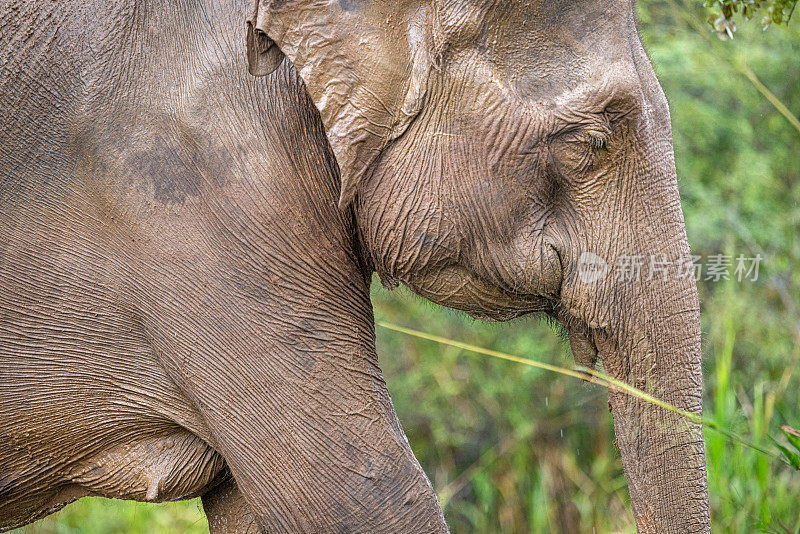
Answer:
(365, 71)
(263, 55)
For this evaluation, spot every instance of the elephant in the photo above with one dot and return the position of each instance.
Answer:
(195, 195)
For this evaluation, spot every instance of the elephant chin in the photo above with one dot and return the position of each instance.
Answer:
(457, 288)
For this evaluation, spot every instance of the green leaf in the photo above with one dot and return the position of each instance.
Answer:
(793, 435)
(793, 458)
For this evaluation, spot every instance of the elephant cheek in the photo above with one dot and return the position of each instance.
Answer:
(537, 269)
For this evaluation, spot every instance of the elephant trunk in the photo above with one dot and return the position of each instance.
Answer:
(656, 348)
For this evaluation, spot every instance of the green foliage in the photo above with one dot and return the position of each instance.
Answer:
(511, 448)
(105, 516)
(792, 457)
(793, 436)
(723, 11)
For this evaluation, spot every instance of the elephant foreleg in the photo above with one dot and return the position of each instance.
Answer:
(227, 511)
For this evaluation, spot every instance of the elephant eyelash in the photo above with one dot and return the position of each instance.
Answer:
(597, 142)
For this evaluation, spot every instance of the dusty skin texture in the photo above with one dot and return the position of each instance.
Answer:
(184, 266)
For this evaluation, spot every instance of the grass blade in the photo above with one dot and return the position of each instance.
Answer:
(793, 435)
(595, 377)
(794, 459)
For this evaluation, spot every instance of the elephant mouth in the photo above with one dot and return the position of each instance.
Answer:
(584, 349)
(588, 344)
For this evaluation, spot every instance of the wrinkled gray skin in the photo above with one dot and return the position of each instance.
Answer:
(184, 307)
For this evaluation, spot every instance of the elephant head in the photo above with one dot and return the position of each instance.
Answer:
(505, 157)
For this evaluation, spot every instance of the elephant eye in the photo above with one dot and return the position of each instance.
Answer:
(580, 151)
(595, 138)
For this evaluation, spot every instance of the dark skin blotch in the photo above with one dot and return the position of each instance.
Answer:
(177, 170)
